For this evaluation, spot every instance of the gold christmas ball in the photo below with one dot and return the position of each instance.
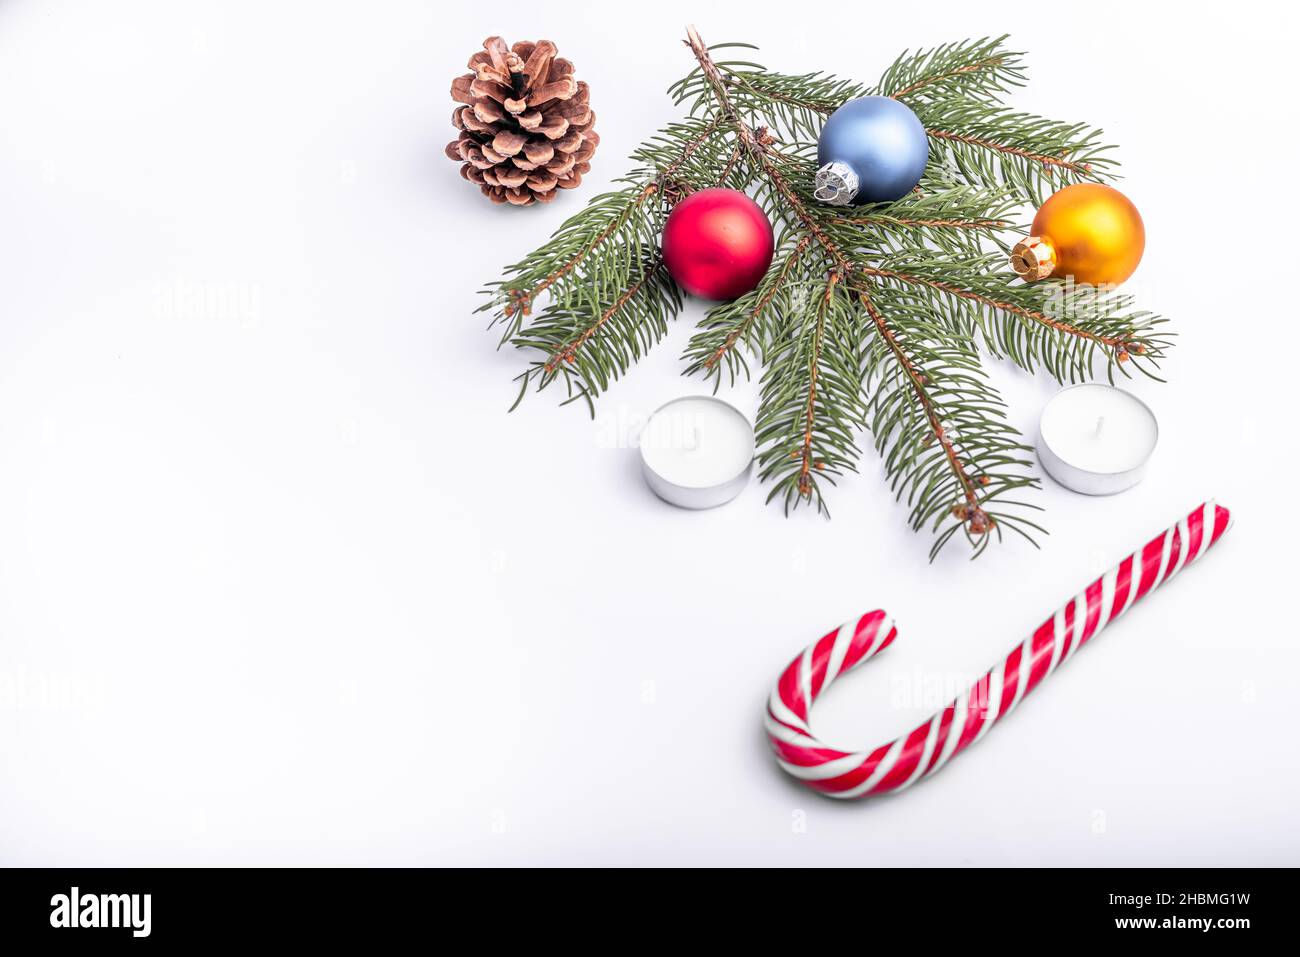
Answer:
(1089, 231)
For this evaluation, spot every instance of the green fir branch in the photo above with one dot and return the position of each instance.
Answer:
(979, 70)
(749, 323)
(812, 405)
(941, 428)
(870, 319)
(588, 352)
(981, 145)
(959, 221)
(1068, 330)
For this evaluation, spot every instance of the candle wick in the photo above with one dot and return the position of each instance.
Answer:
(692, 438)
(1101, 421)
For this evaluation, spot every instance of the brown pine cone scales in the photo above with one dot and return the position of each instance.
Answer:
(526, 126)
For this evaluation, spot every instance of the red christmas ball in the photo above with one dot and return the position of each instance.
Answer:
(717, 243)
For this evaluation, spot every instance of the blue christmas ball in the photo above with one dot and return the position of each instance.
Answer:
(871, 150)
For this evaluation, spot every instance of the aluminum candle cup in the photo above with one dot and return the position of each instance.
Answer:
(697, 452)
(1096, 439)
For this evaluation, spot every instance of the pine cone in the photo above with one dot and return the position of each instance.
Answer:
(525, 131)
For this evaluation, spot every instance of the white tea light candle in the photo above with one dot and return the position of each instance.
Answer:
(697, 452)
(1096, 439)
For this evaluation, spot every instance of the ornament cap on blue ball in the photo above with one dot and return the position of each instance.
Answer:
(871, 150)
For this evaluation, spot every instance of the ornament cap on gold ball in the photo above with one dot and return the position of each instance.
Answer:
(1033, 258)
(1088, 231)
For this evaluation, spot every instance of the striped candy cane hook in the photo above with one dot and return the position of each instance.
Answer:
(931, 745)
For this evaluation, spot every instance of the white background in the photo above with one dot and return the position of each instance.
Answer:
(282, 582)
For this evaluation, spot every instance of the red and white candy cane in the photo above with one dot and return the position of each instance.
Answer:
(922, 752)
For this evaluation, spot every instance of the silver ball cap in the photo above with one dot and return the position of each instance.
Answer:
(837, 184)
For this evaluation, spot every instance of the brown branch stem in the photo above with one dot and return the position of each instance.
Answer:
(763, 302)
(976, 518)
(968, 68)
(567, 352)
(1031, 314)
(731, 164)
(782, 97)
(754, 143)
(932, 223)
(806, 449)
(1042, 158)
